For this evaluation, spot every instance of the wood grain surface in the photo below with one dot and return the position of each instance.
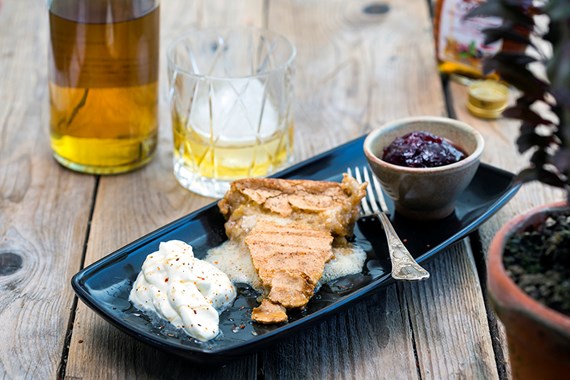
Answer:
(44, 209)
(360, 64)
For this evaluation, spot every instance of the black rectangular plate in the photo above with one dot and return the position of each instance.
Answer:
(105, 285)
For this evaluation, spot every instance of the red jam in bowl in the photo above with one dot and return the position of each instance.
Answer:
(422, 150)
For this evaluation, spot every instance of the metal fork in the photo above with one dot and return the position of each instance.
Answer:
(404, 266)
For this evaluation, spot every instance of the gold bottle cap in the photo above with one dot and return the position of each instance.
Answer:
(487, 99)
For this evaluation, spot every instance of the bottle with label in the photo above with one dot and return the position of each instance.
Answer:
(103, 74)
(460, 47)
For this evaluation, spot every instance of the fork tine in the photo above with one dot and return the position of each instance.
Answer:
(380, 194)
(370, 192)
(363, 201)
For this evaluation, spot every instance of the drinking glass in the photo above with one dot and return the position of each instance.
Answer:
(231, 97)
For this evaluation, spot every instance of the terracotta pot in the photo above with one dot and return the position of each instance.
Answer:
(538, 337)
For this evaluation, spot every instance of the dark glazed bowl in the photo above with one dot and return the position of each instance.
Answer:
(425, 193)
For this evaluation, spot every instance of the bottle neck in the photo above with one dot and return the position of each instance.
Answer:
(101, 11)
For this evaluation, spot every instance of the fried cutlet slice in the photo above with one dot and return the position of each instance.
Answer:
(290, 260)
(328, 206)
(269, 312)
(288, 227)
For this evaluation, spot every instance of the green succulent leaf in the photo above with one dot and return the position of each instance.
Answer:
(517, 74)
(539, 158)
(550, 158)
(561, 160)
(558, 10)
(506, 32)
(542, 175)
(558, 70)
(506, 10)
(514, 58)
(550, 178)
(527, 127)
(528, 175)
(522, 111)
(553, 34)
(529, 140)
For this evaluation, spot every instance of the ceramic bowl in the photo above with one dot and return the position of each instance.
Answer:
(425, 193)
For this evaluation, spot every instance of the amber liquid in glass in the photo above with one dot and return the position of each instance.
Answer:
(103, 91)
(229, 160)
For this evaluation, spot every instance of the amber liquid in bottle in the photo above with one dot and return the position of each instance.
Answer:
(103, 85)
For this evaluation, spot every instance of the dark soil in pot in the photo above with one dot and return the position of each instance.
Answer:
(538, 260)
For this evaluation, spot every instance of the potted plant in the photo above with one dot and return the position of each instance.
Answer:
(529, 258)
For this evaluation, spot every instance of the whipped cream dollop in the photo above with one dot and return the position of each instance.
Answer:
(187, 292)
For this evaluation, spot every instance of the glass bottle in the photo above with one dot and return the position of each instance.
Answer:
(103, 76)
(460, 46)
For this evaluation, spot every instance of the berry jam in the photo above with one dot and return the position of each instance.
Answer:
(422, 150)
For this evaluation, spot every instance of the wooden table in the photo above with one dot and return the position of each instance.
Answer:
(355, 71)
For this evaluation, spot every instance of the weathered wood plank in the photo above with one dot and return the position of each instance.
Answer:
(44, 209)
(99, 351)
(373, 340)
(449, 319)
(134, 204)
(359, 71)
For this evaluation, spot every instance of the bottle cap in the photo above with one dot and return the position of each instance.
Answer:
(487, 99)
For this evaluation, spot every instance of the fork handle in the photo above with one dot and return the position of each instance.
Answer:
(404, 266)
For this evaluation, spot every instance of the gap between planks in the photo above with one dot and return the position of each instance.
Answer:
(69, 330)
(480, 263)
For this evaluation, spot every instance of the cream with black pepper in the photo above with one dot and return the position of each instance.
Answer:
(187, 292)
